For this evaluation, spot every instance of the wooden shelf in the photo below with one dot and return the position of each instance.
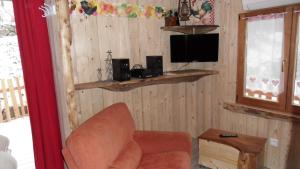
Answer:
(167, 78)
(191, 29)
(265, 113)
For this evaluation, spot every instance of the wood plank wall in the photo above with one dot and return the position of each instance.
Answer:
(225, 91)
(161, 107)
(192, 107)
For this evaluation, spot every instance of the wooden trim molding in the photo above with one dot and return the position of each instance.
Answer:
(265, 113)
(65, 37)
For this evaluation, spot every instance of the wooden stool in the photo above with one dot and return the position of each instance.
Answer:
(242, 152)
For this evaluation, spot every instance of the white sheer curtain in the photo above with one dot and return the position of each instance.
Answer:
(264, 51)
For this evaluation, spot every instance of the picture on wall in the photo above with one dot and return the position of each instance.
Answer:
(203, 12)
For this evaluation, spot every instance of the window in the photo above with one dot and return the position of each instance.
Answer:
(294, 82)
(269, 59)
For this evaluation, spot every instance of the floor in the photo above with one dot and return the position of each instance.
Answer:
(19, 133)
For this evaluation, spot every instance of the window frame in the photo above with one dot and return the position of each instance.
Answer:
(292, 64)
(282, 98)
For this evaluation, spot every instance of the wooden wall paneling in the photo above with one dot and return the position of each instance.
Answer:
(179, 107)
(120, 45)
(165, 38)
(285, 143)
(149, 38)
(137, 108)
(226, 78)
(150, 110)
(87, 52)
(273, 153)
(108, 98)
(207, 102)
(252, 125)
(133, 28)
(227, 60)
(105, 34)
(275, 157)
(165, 49)
(216, 102)
(224, 6)
(201, 114)
(293, 161)
(166, 104)
(236, 122)
(165, 110)
(214, 83)
(136, 94)
(191, 108)
(94, 63)
(173, 107)
(262, 127)
(120, 41)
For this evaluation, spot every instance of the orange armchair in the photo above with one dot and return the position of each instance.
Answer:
(108, 140)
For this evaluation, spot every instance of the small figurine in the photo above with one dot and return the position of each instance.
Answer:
(108, 65)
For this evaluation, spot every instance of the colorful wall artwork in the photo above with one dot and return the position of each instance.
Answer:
(203, 12)
(101, 8)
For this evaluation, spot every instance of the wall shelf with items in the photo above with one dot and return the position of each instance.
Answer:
(168, 78)
(191, 29)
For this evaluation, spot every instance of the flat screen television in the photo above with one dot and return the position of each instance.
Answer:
(194, 48)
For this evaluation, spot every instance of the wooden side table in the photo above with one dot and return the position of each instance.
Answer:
(242, 152)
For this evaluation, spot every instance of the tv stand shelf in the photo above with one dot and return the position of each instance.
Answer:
(191, 29)
(168, 78)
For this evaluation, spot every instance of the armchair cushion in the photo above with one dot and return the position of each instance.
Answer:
(68, 157)
(99, 141)
(158, 142)
(166, 160)
(129, 158)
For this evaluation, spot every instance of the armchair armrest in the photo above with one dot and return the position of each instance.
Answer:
(157, 141)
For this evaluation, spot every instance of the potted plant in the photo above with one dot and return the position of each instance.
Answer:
(171, 18)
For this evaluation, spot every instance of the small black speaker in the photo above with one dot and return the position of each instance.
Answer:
(155, 65)
(121, 70)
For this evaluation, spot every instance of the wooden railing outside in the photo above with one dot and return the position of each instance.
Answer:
(13, 102)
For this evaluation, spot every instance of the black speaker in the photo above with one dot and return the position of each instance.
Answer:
(121, 70)
(155, 65)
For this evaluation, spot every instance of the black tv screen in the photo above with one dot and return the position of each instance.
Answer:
(194, 48)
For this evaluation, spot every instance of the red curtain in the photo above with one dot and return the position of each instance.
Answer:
(39, 83)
